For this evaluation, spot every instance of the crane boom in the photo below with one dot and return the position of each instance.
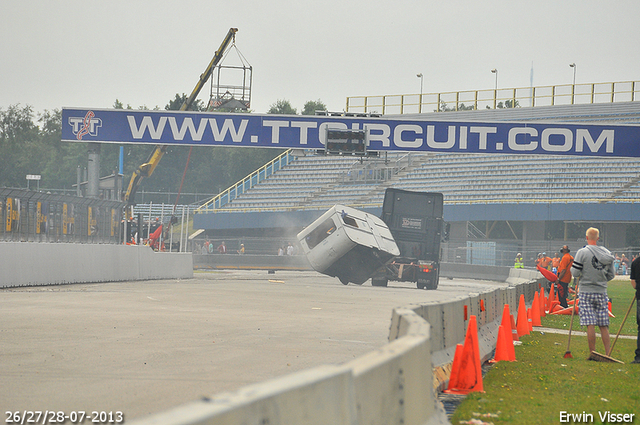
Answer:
(147, 169)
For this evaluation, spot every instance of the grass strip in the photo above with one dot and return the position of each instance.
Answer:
(620, 294)
(542, 384)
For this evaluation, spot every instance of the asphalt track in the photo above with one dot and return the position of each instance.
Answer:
(144, 347)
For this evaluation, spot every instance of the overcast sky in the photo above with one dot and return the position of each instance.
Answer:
(87, 53)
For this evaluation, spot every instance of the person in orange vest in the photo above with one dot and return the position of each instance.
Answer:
(564, 275)
(544, 263)
(555, 263)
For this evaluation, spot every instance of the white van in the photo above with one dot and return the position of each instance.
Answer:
(348, 243)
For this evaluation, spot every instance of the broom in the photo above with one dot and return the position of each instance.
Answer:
(567, 354)
(608, 359)
(623, 322)
(603, 358)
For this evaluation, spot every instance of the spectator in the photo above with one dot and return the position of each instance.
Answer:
(241, 250)
(519, 262)
(593, 265)
(635, 277)
(222, 248)
(616, 264)
(624, 261)
(290, 249)
(564, 275)
(555, 263)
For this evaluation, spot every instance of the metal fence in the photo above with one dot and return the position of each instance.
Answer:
(46, 217)
(461, 251)
(563, 94)
(503, 252)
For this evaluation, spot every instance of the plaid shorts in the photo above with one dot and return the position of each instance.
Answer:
(594, 309)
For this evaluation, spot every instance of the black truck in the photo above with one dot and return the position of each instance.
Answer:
(416, 223)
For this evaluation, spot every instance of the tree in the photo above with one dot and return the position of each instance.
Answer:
(282, 107)
(63, 159)
(506, 105)
(176, 104)
(312, 106)
(31, 144)
(461, 107)
(20, 146)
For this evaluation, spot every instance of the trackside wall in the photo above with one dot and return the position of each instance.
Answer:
(393, 384)
(25, 263)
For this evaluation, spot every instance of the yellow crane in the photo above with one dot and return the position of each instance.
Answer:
(147, 169)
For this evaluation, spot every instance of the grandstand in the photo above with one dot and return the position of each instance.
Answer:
(319, 181)
(526, 188)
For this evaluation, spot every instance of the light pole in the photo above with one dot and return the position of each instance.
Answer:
(495, 91)
(420, 104)
(573, 87)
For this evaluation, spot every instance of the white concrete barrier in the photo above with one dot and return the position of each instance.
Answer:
(30, 263)
(319, 396)
(390, 385)
(393, 384)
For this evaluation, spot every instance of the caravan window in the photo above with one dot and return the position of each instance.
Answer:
(350, 221)
(320, 233)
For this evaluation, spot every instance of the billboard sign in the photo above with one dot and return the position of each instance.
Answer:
(309, 132)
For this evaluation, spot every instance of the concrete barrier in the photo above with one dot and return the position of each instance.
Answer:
(474, 271)
(393, 384)
(321, 395)
(390, 385)
(29, 263)
(251, 262)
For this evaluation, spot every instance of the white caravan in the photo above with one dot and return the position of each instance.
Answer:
(348, 243)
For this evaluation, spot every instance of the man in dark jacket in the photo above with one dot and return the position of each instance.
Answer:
(635, 277)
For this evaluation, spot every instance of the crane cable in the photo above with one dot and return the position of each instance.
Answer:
(244, 62)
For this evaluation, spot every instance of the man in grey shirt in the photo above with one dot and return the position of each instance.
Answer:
(593, 265)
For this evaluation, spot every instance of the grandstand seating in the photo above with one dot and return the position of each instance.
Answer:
(318, 181)
(295, 183)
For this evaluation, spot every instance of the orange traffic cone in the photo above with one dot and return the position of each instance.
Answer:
(535, 311)
(542, 301)
(468, 377)
(552, 297)
(529, 322)
(522, 323)
(502, 353)
(555, 307)
(510, 347)
(514, 329)
(506, 322)
(455, 367)
(566, 311)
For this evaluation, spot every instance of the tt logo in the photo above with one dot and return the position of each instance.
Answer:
(87, 125)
